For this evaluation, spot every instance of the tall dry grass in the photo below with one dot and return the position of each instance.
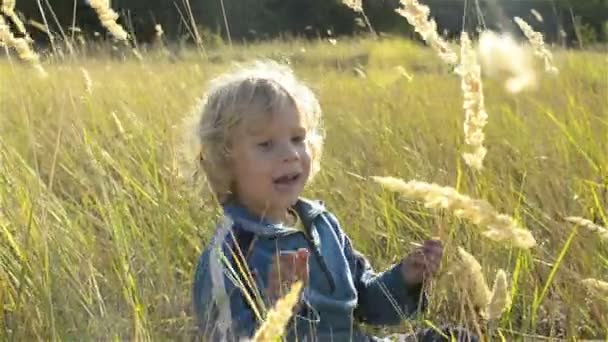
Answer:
(21, 46)
(538, 44)
(99, 234)
(276, 321)
(499, 227)
(108, 18)
(474, 106)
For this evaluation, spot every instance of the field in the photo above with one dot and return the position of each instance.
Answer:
(100, 227)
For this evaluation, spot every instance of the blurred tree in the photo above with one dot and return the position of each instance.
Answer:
(259, 19)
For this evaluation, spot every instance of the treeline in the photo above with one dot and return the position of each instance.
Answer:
(564, 21)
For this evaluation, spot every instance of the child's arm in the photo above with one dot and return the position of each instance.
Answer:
(222, 313)
(239, 308)
(384, 298)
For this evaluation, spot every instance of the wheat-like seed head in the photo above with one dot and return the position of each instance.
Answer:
(501, 55)
(8, 8)
(277, 318)
(499, 299)
(476, 116)
(24, 51)
(159, 31)
(538, 44)
(108, 18)
(88, 83)
(537, 15)
(500, 227)
(473, 281)
(8, 5)
(418, 16)
(597, 286)
(355, 5)
(589, 225)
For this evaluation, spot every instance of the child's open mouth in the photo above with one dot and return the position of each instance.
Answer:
(287, 180)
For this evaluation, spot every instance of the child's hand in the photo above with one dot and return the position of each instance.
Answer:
(422, 263)
(286, 269)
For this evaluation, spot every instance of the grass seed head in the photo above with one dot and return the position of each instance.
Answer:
(355, 5)
(502, 56)
(589, 225)
(500, 227)
(276, 320)
(473, 281)
(108, 18)
(538, 44)
(499, 298)
(8, 8)
(418, 16)
(21, 45)
(596, 286)
(476, 116)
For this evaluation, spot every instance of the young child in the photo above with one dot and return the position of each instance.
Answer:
(261, 141)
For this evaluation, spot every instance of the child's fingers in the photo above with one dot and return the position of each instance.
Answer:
(282, 269)
(417, 260)
(287, 266)
(302, 264)
(433, 248)
(425, 262)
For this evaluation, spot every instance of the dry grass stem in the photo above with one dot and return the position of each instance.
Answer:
(108, 18)
(418, 16)
(501, 55)
(277, 318)
(159, 31)
(500, 227)
(8, 8)
(476, 116)
(596, 286)
(538, 44)
(537, 15)
(499, 299)
(24, 51)
(355, 5)
(589, 225)
(88, 83)
(473, 281)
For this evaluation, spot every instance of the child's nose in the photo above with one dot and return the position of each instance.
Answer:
(290, 153)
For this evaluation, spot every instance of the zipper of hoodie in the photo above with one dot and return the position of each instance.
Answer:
(320, 259)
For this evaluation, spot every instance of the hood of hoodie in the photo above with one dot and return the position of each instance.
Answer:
(307, 211)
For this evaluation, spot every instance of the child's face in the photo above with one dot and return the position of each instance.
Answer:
(270, 162)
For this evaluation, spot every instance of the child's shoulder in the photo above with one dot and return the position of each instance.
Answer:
(230, 235)
(311, 209)
(315, 210)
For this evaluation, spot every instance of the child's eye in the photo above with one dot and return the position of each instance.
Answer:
(265, 144)
(298, 139)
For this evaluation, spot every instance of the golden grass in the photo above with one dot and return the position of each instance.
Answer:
(500, 227)
(8, 8)
(502, 57)
(598, 287)
(355, 5)
(108, 18)
(277, 318)
(589, 225)
(476, 116)
(21, 45)
(99, 235)
(417, 15)
(538, 44)
(500, 298)
(472, 282)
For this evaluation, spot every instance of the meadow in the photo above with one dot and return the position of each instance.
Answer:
(101, 225)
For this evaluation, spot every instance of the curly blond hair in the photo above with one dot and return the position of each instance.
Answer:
(249, 92)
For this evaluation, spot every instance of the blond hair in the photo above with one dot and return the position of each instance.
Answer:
(262, 88)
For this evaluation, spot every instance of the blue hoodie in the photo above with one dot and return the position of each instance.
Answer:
(343, 288)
